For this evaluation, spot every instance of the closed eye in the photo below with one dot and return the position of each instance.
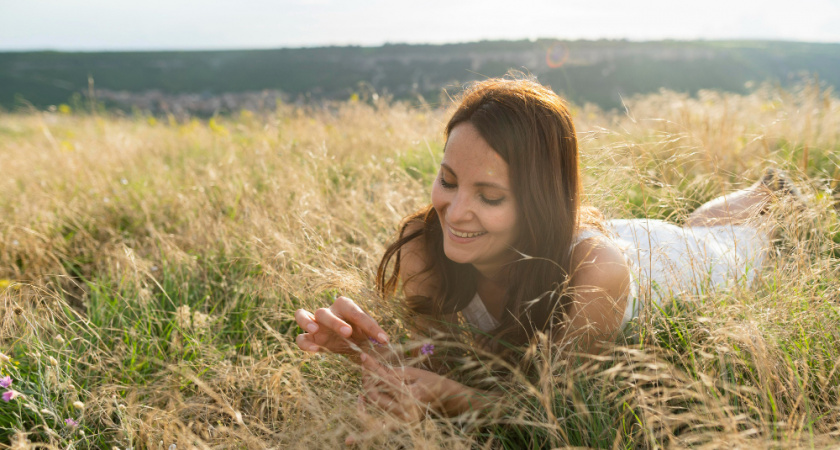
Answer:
(446, 185)
(493, 201)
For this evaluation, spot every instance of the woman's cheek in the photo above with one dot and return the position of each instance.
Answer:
(438, 197)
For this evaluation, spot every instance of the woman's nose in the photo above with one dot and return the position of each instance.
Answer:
(459, 209)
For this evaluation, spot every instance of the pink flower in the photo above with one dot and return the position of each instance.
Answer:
(10, 395)
(70, 422)
(427, 349)
(6, 381)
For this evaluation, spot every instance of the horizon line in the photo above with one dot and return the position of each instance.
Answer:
(417, 44)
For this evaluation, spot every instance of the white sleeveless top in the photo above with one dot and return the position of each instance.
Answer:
(667, 261)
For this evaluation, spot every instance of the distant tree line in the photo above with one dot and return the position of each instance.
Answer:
(601, 72)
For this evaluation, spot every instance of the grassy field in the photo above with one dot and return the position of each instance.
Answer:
(149, 269)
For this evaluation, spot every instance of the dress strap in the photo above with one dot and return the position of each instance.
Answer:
(585, 234)
(476, 314)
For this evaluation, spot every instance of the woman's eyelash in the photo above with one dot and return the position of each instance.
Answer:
(493, 202)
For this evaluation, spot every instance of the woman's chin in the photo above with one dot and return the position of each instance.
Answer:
(457, 256)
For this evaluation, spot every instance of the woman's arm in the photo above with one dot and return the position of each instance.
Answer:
(600, 284)
(408, 392)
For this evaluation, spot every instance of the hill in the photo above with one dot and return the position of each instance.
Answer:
(600, 72)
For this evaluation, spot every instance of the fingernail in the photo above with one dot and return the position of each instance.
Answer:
(313, 348)
(312, 328)
(382, 337)
(363, 357)
(346, 331)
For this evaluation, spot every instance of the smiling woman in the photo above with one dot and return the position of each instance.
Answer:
(504, 217)
(474, 203)
(507, 250)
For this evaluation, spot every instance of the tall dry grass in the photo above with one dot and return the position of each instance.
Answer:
(151, 269)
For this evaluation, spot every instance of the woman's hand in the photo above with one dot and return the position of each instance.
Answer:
(335, 328)
(408, 393)
(405, 392)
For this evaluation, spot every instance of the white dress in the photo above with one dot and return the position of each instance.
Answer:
(668, 261)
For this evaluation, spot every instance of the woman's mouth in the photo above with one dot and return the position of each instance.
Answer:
(465, 235)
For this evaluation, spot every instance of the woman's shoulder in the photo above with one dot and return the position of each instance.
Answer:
(600, 281)
(599, 267)
(594, 250)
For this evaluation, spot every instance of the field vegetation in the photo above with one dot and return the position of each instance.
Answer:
(150, 267)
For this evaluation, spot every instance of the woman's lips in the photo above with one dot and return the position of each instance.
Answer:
(464, 236)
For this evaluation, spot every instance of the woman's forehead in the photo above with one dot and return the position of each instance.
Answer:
(467, 154)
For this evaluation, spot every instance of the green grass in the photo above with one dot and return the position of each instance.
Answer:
(174, 299)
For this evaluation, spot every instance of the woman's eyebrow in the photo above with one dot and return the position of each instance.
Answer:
(478, 184)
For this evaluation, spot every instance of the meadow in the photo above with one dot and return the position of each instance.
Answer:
(150, 267)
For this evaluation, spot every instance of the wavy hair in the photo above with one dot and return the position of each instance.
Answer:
(531, 128)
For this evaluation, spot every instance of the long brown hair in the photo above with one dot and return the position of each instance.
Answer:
(531, 128)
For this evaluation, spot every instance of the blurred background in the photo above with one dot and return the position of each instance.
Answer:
(211, 57)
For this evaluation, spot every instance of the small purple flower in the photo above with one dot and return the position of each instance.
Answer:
(374, 342)
(10, 395)
(70, 422)
(6, 381)
(427, 349)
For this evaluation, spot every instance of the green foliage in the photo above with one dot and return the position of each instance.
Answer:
(599, 72)
(168, 309)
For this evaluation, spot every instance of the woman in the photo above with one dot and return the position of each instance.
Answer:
(506, 248)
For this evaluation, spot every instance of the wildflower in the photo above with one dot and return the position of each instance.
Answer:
(10, 395)
(6, 381)
(374, 342)
(4, 283)
(59, 338)
(53, 361)
(78, 405)
(70, 422)
(427, 349)
(4, 358)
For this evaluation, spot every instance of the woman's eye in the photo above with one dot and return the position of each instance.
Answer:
(492, 201)
(446, 185)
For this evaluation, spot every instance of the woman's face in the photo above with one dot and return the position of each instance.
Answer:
(474, 201)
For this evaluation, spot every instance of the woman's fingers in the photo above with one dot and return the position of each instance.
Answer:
(306, 321)
(327, 319)
(385, 400)
(377, 370)
(305, 342)
(352, 313)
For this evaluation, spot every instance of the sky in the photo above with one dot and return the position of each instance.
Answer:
(93, 25)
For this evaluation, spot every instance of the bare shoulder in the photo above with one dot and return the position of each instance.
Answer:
(414, 260)
(600, 283)
(597, 261)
